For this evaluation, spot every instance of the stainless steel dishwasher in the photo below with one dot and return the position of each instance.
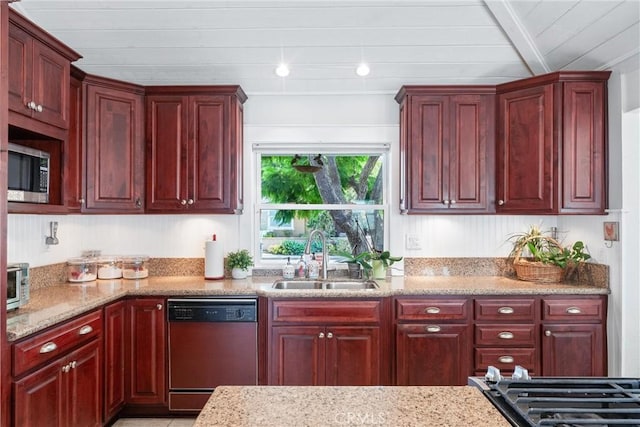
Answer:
(212, 342)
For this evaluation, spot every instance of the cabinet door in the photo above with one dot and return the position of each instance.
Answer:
(40, 399)
(51, 74)
(20, 65)
(114, 358)
(525, 156)
(115, 150)
(167, 137)
(145, 376)
(430, 354)
(352, 356)
(209, 154)
(471, 153)
(84, 386)
(573, 350)
(73, 155)
(428, 154)
(583, 148)
(297, 356)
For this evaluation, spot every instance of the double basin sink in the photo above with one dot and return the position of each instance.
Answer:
(355, 285)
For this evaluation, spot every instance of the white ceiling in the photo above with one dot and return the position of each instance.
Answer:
(403, 42)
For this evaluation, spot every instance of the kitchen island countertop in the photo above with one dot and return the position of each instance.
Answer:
(283, 406)
(54, 304)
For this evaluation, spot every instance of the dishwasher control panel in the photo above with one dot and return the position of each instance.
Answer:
(212, 310)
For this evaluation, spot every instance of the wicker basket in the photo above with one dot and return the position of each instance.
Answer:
(536, 271)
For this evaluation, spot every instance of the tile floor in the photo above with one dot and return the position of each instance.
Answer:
(154, 422)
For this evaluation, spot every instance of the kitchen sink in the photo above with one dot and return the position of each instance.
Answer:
(325, 284)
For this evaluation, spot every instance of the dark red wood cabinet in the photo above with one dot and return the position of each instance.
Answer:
(145, 340)
(114, 151)
(194, 149)
(432, 341)
(73, 155)
(39, 67)
(551, 144)
(447, 149)
(337, 343)
(115, 328)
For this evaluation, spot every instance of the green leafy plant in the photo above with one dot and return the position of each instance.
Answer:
(239, 259)
(365, 258)
(384, 257)
(546, 250)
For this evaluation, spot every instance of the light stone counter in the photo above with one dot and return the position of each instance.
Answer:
(54, 304)
(444, 406)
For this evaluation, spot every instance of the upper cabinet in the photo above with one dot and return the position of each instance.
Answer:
(39, 69)
(194, 149)
(114, 147)
(551, 144)
(446, 149)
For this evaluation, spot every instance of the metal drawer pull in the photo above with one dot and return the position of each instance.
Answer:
(505, 335)
(573, 310)
(48, 347)
(432, 310)
(432, 328)
(505, 310)
(86, 329)
(505, 359)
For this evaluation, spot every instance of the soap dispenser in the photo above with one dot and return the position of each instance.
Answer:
(288, 271)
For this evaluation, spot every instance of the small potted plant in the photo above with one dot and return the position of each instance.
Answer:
(380, 262)
(239, 263)
(546, 260)
(356, 263)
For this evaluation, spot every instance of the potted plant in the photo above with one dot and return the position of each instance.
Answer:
(546, 260)
(356, 263)
(239, 263)
(380, 262)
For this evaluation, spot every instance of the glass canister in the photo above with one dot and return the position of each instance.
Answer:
(135, 267)
(109, 267)
(82, 269)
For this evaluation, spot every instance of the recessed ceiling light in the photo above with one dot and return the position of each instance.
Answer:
(282, 70)
(363, 70)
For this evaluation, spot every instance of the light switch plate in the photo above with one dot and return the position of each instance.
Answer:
(413, 242)
(611, 231)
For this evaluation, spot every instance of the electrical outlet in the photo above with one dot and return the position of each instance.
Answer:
(413, 242)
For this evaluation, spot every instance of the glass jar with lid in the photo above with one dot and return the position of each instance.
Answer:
(82, 269)
(135, 267)
(109, 267)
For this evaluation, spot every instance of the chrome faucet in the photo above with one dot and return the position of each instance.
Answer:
(307, 250)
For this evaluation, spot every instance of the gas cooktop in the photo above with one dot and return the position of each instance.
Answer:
(565, 401)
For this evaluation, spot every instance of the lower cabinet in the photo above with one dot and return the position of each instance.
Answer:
(65, 393)
(145, 339)
(432, 341)
(327, 342)
(114, 358)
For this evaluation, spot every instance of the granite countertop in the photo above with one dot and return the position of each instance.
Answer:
(282, 406)
(53, 304)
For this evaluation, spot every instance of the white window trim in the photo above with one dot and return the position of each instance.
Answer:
(346, 148)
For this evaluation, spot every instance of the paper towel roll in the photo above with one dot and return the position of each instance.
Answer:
(213, 260)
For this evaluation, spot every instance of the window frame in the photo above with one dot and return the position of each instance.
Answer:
(260, 149)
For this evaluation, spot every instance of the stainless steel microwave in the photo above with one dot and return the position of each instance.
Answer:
(28, 175)
(18, 285)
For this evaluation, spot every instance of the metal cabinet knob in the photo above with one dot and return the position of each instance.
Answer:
(66, 368)
(506, 310)
(329, 335)
(500, 202)
(505, 359)
(86, 329)
(73, 364)
(321, 335)
(138, 202)
(505, 335)
(573, 310)
(453, 202)
(445, 202)
(48, 347)
(183, 202)
(190, 201)
(547, 333)
(39, 108)
(159, 306)
(31, 105)
(81, 201)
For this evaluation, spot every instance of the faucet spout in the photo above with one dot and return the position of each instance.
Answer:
(323, 240)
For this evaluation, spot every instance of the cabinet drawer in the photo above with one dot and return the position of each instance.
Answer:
(310, 311)
(55, 342)
(506, 359)
(431, 309)
(505, 335)
(573, 309)
(520, 309)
